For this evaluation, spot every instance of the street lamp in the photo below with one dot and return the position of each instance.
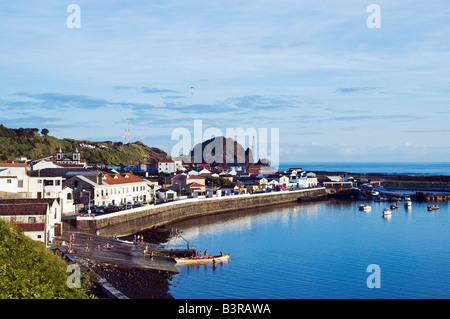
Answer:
(89, 203)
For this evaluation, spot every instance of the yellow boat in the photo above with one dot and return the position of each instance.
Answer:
(201, 259)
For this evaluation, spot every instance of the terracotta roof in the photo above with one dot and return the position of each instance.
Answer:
(113, 179)
(195, 177)
(195, 185)
(31, 226)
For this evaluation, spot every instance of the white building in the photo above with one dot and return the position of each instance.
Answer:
(39, 218)
(106, 188)
(170, 166)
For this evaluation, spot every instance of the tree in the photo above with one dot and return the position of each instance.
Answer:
(45, 132)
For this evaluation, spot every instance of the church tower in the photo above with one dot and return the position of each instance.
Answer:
(59, 155)
(76, 156)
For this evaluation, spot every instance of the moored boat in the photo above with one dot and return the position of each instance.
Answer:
(408, 201)
(431, 208)
(386, 211)
(395, 206)
(365, 207)
(201, 259)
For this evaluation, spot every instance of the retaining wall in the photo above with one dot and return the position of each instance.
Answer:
(135, 220)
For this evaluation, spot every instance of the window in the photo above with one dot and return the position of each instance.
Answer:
(31, 220)
(20, 184)
(57, 182)
(8, 181)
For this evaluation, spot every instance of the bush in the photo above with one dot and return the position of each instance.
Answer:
(29, 271)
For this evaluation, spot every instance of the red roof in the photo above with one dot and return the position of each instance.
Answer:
(31, 226)
(113, 179)
(195, 177)
(196, 185)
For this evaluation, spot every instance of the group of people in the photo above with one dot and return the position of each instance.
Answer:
(138, 239)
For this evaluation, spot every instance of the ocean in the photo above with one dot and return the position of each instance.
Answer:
(319, 250)
(399, 168)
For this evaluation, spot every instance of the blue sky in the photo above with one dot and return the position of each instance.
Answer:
(336, 89)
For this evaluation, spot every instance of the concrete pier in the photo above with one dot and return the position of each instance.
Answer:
(138, 219)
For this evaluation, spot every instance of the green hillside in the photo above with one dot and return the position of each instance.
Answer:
(29, 271)
(30, 143)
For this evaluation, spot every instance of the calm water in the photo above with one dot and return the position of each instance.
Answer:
(319, 250)
(409, 168)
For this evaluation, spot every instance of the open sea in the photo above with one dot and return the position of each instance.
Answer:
(400, 168)
(325, 249)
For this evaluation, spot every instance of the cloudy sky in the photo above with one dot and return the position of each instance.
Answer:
(335, 89)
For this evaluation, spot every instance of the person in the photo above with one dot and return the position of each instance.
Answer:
(206, 252)
(188, 245)
(87, 246)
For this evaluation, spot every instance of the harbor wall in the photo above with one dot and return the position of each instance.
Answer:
(137, 219)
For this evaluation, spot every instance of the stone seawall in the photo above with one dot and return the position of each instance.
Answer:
(135, 220)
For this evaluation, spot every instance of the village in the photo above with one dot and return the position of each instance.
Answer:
(36, 195)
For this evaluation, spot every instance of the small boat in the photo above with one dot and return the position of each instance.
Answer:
(408, 202)
(395, 206)
(125, 241)
(431, 208)
(386, 211)
(201, 259)
(365, 207)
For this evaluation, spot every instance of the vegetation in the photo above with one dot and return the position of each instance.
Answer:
(29, 271)
(29, 143)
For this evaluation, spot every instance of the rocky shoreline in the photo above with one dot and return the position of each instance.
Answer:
(132, 280)
(136, 283)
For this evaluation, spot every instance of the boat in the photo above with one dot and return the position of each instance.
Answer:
(431, 208)
(395, 206)
(125, 241)
(201, 259)
(408, 202)
(365, 207)
(386, 211)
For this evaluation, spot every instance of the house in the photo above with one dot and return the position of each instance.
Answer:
(40, 219)
(189, 184)
(101, 188)
(169, 166)
(16, 183)
(166, 193)
(204, 172)
(311, 179)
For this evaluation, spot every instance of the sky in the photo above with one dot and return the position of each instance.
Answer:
(334, 88)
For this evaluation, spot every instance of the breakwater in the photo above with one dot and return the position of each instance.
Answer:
(138, 219)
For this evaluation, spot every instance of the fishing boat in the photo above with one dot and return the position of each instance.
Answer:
(431, 208)
(365, 207)
(386, 212)
(201, 259)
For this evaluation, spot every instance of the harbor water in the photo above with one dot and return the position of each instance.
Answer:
(321, 250)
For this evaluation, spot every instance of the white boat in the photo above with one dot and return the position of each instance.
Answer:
(408, 202)
(365, 207)
(386, 212)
